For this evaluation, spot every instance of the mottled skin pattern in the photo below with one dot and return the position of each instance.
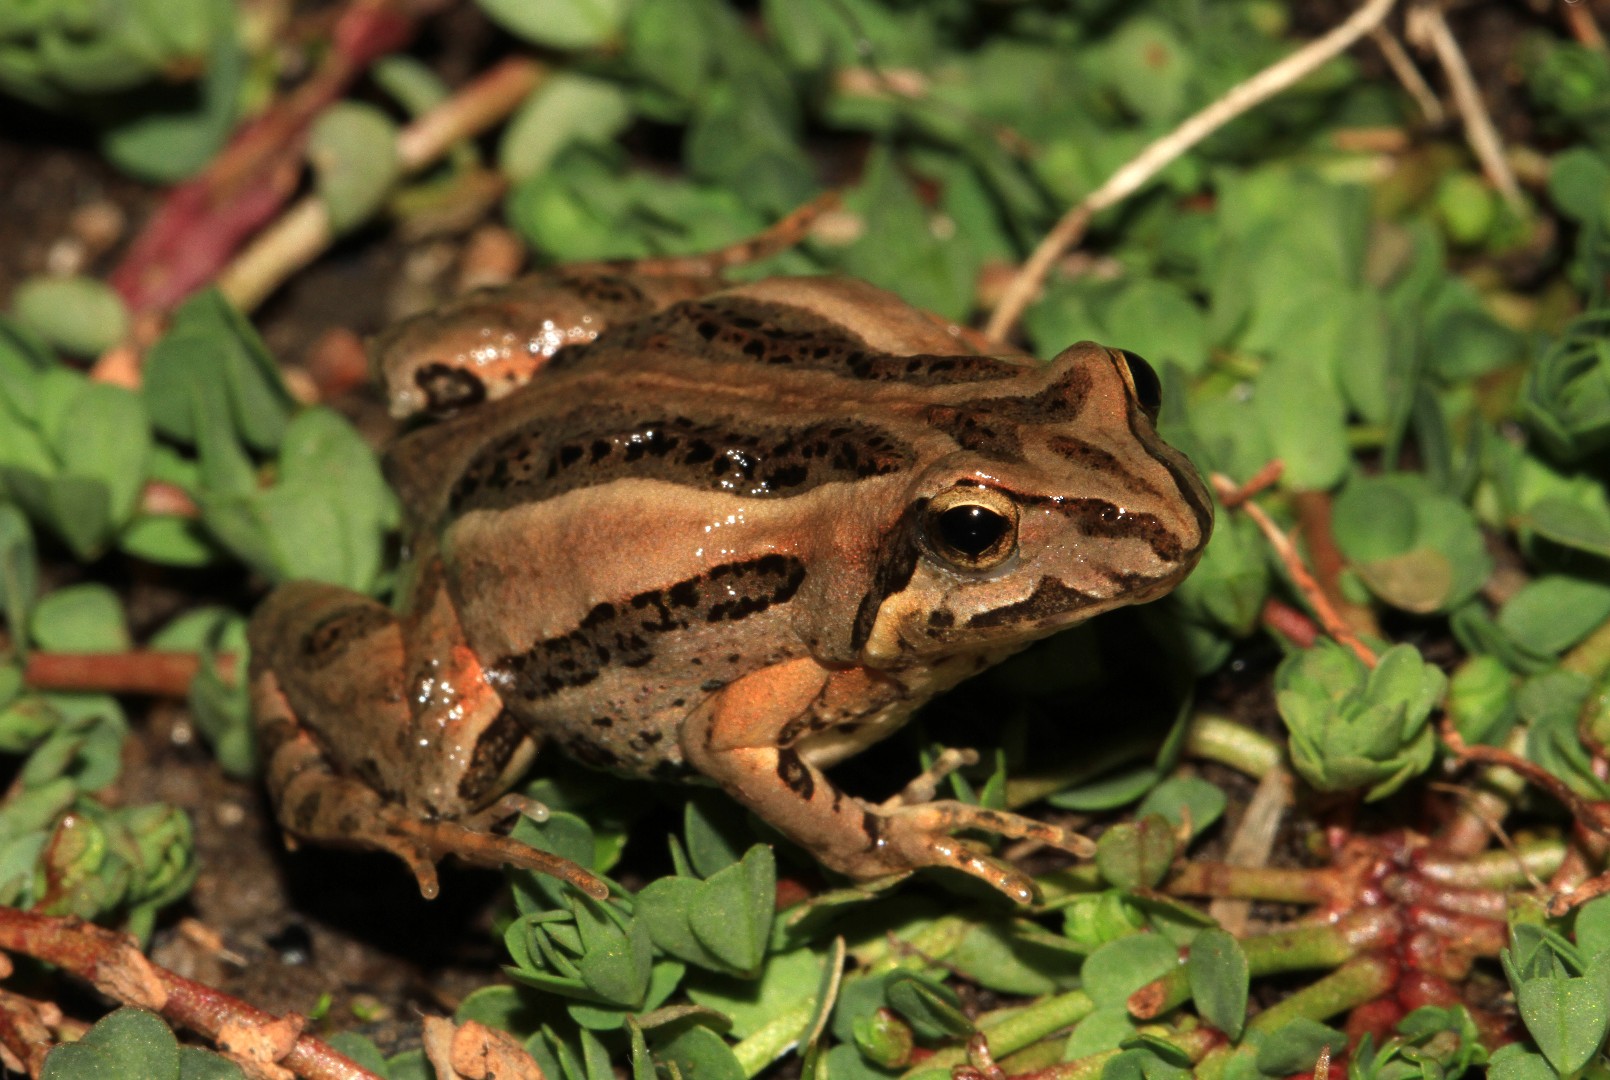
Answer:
(737, 538)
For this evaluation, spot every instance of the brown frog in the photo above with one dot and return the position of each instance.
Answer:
(730, 535)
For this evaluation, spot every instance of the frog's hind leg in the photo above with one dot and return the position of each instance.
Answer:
(330, 697)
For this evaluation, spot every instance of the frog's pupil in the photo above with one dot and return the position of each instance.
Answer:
(971, 530)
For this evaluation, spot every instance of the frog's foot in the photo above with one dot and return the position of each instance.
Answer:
(475, 845)
(346, 813)
(919, 835)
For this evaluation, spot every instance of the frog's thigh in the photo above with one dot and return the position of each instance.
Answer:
(334, 720)
(742, 739)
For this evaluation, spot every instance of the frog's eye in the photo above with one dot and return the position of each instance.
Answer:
(972, 528)
(1143, 382)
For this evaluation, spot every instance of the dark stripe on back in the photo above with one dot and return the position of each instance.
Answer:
(897, 561)
(990, 426)
(624, 634)
(734, 329)
(543, 459)
(1050, 598)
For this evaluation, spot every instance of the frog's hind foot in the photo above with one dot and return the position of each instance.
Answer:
(316, 803)
(920, 835)
(343, 812)
(481, 848)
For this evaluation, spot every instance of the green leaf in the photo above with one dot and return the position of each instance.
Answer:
(733, 912)
(211, 368)
(1566, 1017)
(1416, 548)
(1121, 967)
(1551, 613)
(615, 961)
(565, 108)
(81, 618)
(1016, 958)
(932, 1008)
(129, 1044)
(1158, 320)
(1304, 418)
(198, 1064)
(353, 150)
(1185, 798)
(1136, 854)
(788, 981)
(1515, 1062)
(714, 829)
(559, 24)
(1296, 1047)
(701, 1054)
(19, 567)
(1101, 1031)
(78, 315)
(1217, 970)
(166, 134)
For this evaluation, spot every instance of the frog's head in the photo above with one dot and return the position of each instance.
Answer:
(1042, 509)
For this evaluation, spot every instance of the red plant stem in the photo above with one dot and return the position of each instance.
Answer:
(114, 965)
(139, 671)
(204, 220)
(1289, 623)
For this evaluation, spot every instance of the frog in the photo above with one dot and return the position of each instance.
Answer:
(697, 532)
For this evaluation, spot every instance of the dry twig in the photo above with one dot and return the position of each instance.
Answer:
(1428, 27)
(113, 963)
(1132, 176)
(304, 231)
(1397, 58)
(1292, 560)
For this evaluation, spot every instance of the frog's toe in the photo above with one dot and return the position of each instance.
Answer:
(488, 849)
(948, 815)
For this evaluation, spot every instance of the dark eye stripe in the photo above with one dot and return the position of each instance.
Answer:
(625, 634)
(897, 561)
(545, 459)
(1050, 597)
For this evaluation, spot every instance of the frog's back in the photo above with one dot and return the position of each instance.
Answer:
(646, 508)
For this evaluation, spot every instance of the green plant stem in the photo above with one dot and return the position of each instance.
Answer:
(1254, 883)
(1303, 948)
(1010, 1030)
(1362, 979)
(1218, 738)
(1195, 1044)
(1500, 869)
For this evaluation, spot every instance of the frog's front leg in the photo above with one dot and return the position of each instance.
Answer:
(364, 749)
(744, 737)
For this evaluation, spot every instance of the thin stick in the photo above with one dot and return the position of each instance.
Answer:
(1292, 560)
(1397, 58)
(1427, 26)
(1132, 176)
(1579, 19)
(113, 964)
(303, 232)
(1253, 843)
